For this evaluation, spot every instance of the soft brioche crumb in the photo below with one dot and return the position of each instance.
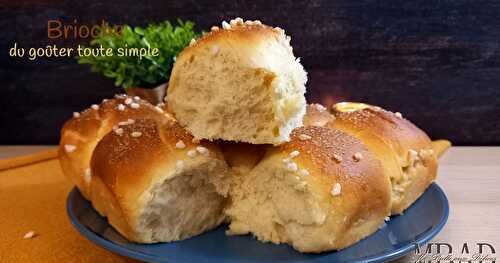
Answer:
(242, 83)
(185, 205)
(273, 212)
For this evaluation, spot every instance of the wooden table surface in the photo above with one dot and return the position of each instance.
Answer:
(470, 176)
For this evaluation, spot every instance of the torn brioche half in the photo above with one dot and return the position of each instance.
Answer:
(240, 83)
(405, 150)
(321, 191)
(84, 130)
(154, 184)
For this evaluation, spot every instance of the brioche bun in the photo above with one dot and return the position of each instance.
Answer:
(239, 83)
(154, 184)
(80, 134)
(405, 151)
(321, 191)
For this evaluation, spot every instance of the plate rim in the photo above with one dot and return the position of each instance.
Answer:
(116, 248)
(398, 253)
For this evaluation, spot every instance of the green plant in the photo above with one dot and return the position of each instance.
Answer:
(135, 71)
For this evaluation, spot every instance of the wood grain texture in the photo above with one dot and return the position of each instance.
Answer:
(437, 62)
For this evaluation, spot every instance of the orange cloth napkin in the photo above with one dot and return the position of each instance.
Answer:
(33, 198)
(28, 159)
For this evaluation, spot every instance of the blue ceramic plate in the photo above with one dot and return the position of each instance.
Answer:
(421, 222)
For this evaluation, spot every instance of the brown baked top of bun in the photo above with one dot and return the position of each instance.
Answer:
(397, 132)
(336, 155)
(239, 30)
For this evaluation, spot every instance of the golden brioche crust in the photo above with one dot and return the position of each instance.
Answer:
(336, 157)
(330, 150)
(240, 31)
(404, 150)
(157, 139)
(80, 134)
(326, 159)
(396, 131)
(126, 165)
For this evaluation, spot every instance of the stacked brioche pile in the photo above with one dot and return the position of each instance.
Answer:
(237, 143)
